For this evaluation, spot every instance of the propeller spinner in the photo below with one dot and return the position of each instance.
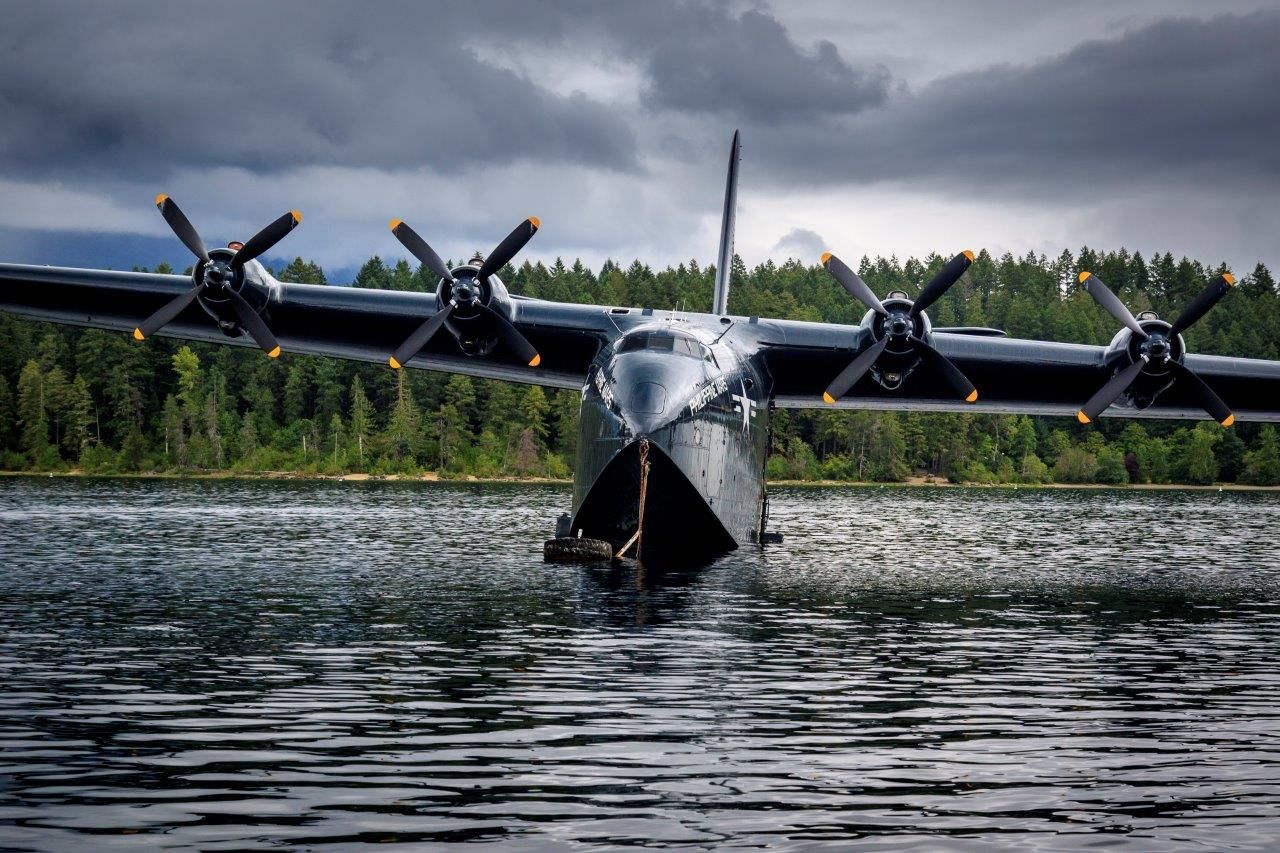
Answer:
(1157, 349)
(899, 324)
(217, 274)
(464, 293)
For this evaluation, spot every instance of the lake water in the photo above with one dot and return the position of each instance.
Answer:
(222, 665)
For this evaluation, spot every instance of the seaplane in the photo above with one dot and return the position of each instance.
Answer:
(674, 426)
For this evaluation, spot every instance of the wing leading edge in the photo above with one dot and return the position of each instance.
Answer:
(340, 322)
(1012, 376)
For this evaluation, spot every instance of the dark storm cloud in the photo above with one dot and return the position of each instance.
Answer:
(141, 87)
(710, 61)
(1175, 101)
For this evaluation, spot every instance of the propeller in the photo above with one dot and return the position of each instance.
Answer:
(216, 274)
(1159, 348)
(899, 325)
(465, 295)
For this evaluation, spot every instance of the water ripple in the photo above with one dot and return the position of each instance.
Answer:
(223, 665)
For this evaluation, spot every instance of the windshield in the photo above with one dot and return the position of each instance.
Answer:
(665, 342)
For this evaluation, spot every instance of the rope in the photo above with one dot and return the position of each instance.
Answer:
(644, 491)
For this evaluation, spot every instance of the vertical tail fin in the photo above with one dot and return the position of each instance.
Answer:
(724, 263)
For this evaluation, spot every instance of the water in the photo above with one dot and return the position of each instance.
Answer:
(221, 665)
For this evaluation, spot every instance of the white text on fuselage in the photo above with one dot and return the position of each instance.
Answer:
(707, 393)
(606, 393)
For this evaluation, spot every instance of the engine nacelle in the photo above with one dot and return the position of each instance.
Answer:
(251, 281)
(899, 359)
(473, 329)
(1159, 349)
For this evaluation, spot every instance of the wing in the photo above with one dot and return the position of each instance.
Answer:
(1012, 375)
(341, 322)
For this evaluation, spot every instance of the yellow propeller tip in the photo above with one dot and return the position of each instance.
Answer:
(535, 222)
(1083, 276)
(1082, 417)
(161, 199)
(275, 353)
(138, 336)
(968, 253)
(973, 396)
(826, 256)
(395, 365)
(536, 360)
(1228, 420)
(297, 216)
(396, 223)
(828, 399)
(1229, 279)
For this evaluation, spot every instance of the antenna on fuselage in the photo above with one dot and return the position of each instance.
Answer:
(724, 263)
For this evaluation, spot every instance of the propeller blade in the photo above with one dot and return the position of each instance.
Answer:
(165, 315)
(267, 237)
(1108, 300)
(851, 374)
(945, 368)
(1201, 304)
(419, 338)
(941, 282)
(1108, 393)
(853, 283)
(254, 324)
(506, 250)
(1204, 395)
(182, 226)
(419, 249)
(513, 340)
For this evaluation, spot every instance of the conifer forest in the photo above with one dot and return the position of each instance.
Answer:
(100, 402)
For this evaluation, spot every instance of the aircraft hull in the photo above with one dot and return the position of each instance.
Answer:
(705, 490)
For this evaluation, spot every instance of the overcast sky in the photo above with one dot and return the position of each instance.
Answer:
(868, 128)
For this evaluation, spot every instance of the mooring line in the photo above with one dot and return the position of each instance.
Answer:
(644, 490)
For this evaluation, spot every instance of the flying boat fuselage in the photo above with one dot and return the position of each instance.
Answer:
(695, 409)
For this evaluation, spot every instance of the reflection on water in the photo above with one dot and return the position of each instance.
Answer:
(241, 665)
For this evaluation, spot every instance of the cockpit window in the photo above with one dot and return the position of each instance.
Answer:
(665, 342)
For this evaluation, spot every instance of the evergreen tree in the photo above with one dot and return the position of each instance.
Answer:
(1262, 465)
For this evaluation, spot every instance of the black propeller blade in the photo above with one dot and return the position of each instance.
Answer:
(942, 281)
(267, 237)
(1201, 304)
(514, 341)
(419, 249)
(1108, 393)
(165, 315)
(899, 326)
(218, 276)
(465, 294)
(853, 283)
(1158, 348)
(1205, 395)
(507, 249)
(254, 325)
(851, 374)
(419, 338)
(1108, 300)
(181, 226)
(960, 383)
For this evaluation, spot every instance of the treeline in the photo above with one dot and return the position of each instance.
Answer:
(101, 402)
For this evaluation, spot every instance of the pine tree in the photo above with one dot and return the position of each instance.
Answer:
(361, 418)
(406, 423)
(32, 411)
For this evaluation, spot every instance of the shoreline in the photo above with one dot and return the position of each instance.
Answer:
(432, 477)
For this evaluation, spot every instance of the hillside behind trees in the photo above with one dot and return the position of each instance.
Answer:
(101, 402)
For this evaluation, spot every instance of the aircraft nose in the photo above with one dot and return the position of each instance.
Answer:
(645, 406)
